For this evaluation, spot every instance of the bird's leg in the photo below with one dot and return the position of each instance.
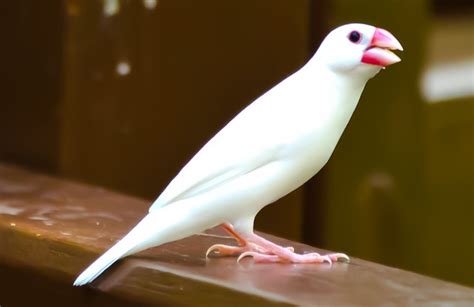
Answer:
(244, 245)
(228, 227)
(277, 253)
(229, 250)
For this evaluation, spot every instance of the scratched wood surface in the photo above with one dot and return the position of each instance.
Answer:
(53, 228)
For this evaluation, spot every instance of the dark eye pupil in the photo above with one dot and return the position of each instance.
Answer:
(354, 36)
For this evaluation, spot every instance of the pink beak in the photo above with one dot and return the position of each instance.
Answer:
(378, 53)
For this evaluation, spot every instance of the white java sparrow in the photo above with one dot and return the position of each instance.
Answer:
(268, 150)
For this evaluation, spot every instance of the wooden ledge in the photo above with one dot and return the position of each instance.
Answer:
(54, 228)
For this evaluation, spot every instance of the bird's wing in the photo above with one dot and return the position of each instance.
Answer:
(244, 145)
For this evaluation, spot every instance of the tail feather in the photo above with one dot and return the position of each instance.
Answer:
(102, 263)
(135, 241)
(158, 227)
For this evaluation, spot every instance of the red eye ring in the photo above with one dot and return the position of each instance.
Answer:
(355, 37)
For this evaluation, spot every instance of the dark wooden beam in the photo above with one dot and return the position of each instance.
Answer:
(50, 229)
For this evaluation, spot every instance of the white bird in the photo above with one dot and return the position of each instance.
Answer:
(268, 150)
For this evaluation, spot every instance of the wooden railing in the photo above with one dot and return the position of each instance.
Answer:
(50, 229)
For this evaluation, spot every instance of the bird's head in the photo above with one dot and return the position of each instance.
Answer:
(358, 49)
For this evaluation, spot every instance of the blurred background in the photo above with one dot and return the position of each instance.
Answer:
(121, 93)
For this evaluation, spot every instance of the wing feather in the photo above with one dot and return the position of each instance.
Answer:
(254, 138)
(237, 149)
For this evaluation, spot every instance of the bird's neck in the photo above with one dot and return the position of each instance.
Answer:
(341, 94)
(340, 88)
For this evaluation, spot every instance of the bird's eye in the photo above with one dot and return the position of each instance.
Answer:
(355, 37)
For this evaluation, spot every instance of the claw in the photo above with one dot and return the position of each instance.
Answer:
(222, 249)
(337, 256)
(211, 249)
(246, 254)
(326, 258)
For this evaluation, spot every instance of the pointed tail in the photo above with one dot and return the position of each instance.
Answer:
(167, 224)
(102, 263)
(138, 239)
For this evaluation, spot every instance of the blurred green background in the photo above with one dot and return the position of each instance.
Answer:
(122, 93)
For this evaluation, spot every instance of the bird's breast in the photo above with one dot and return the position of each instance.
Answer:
(311, 137)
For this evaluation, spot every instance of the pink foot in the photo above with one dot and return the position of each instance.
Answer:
(276, 253)
(225, 250)
(229, 250)
(264, 251)
(293, 258)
